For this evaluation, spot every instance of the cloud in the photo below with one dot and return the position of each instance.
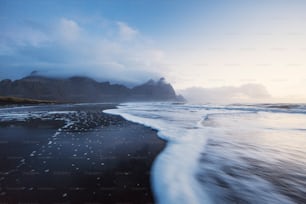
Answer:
(247, 93)
(114, 51)
(126, 32)
(19, 36)
(68, 30)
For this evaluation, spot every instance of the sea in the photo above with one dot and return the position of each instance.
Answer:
(254, 153)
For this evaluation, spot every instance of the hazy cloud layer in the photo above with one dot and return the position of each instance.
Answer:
(98, 48)
(227, 94)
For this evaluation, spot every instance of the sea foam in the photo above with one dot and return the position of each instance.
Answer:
(174, 170)
(225, 154)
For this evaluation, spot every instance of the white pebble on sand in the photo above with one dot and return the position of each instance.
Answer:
(32, 154)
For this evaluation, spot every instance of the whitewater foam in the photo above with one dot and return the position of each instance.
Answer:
(236, 140)
(174, 170)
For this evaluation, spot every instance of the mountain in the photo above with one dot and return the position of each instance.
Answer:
(152, 90)
(83, 89)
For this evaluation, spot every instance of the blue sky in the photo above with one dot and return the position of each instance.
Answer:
(199, 43)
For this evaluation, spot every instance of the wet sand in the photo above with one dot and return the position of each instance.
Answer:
(74, 154)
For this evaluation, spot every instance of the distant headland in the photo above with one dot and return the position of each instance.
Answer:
(78, 89)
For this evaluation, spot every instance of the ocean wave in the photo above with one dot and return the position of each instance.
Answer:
(225, 154)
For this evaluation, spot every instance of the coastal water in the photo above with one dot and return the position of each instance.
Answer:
(226, 154)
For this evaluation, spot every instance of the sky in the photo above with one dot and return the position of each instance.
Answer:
(241, 50)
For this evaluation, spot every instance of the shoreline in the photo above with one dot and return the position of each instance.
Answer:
(14, 101)
(91, 157)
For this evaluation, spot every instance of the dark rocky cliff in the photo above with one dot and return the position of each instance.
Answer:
(153, 90)
(83, 89)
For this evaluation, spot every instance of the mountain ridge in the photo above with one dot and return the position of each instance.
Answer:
(85, 89)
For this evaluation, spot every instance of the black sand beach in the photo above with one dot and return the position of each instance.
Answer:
(74, 154)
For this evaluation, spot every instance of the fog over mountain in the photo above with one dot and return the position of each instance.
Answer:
(228, 94)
